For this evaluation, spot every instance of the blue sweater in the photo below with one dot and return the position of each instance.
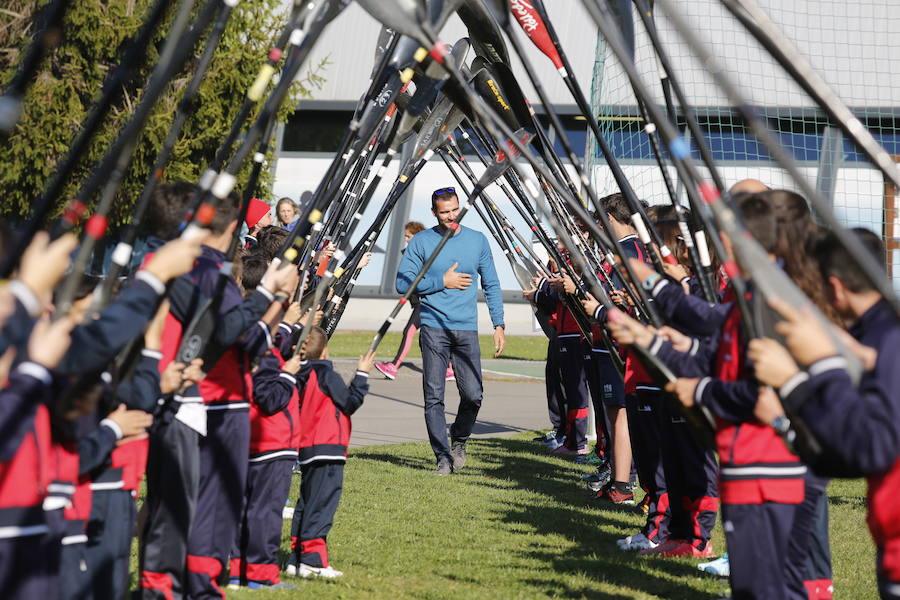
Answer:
(452, 309)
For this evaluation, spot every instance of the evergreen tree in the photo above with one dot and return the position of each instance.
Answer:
(71, 77)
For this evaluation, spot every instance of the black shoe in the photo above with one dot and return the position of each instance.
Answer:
(599, 479)
(458, 454)
(443, 467)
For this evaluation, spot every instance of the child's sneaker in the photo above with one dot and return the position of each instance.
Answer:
(719, 567)
(688, 550)
(387, 369)
(555, 442)
(598, 480)
(326, 572)
(450, 376)
(665, 546)
(617, 493)
(234, 583)
(643, 507)
(545, 437)
(638, 541)
(562, 449)
(589, 459)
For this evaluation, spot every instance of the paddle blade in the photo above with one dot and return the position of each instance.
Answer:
(405, 16)
(534, 27)
(483, 31)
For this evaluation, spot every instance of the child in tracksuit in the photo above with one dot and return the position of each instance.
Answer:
(858, 426)
(326, 407)
(274, 438)
(760, 481)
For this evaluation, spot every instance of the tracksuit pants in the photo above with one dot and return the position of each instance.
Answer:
(29, 565)
(73, 572)
(888, 585)
(320, 494)
(643, 428)
(108, 549)
(606, 389)
(439, 348)
(556, 399)
(757, 537)
(254, 555)
(220, 498)
(808, 570)
(574, 356)
(173, 476)
(691, 473)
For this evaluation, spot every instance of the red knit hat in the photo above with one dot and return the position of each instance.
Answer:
(257, 211)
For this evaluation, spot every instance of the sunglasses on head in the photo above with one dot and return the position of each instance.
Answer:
(442, 191)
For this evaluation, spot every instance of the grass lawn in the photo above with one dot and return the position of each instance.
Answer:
(355, 343)
(514, 524)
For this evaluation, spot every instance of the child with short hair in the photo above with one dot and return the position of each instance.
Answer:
(325, 411)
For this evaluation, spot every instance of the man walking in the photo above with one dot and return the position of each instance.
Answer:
(450, 322)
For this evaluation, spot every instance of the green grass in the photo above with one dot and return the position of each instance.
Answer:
(356, 343)
(514, 524)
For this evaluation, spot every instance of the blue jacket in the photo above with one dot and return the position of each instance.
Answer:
(452, 309)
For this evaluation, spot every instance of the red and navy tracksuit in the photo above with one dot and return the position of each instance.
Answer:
(201, 441)
(859, 430)
(325, 410)
(115, 471)
(760, 481)
(689, 466)
(274, 439)
(573, 350)
(31, 521)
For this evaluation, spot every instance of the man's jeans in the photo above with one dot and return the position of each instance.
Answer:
(438, 347)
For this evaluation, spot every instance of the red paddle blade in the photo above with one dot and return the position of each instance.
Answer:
(535, 28)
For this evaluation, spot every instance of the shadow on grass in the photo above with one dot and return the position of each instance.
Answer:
(595, 552)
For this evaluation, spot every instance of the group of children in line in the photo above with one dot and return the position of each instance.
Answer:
(95, 400)
(748, 426)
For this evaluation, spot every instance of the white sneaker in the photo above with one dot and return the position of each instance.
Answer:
(326, 572)
(290, 570)
(638, 541)
(719, 567)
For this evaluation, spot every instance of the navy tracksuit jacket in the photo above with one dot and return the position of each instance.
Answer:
(859, 429)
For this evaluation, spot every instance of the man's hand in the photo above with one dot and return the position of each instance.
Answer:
(806, 338)
(628, 331)
(772, 363)
(131, 422)
(365, 260)
(365, 362)
(44, 263)
(456, 281)
(684, 390)
(499, 340)
(176, 257)
(50, 341)
(278, 279)
(768, 406)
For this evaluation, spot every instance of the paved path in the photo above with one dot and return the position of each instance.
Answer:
(393, 412)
